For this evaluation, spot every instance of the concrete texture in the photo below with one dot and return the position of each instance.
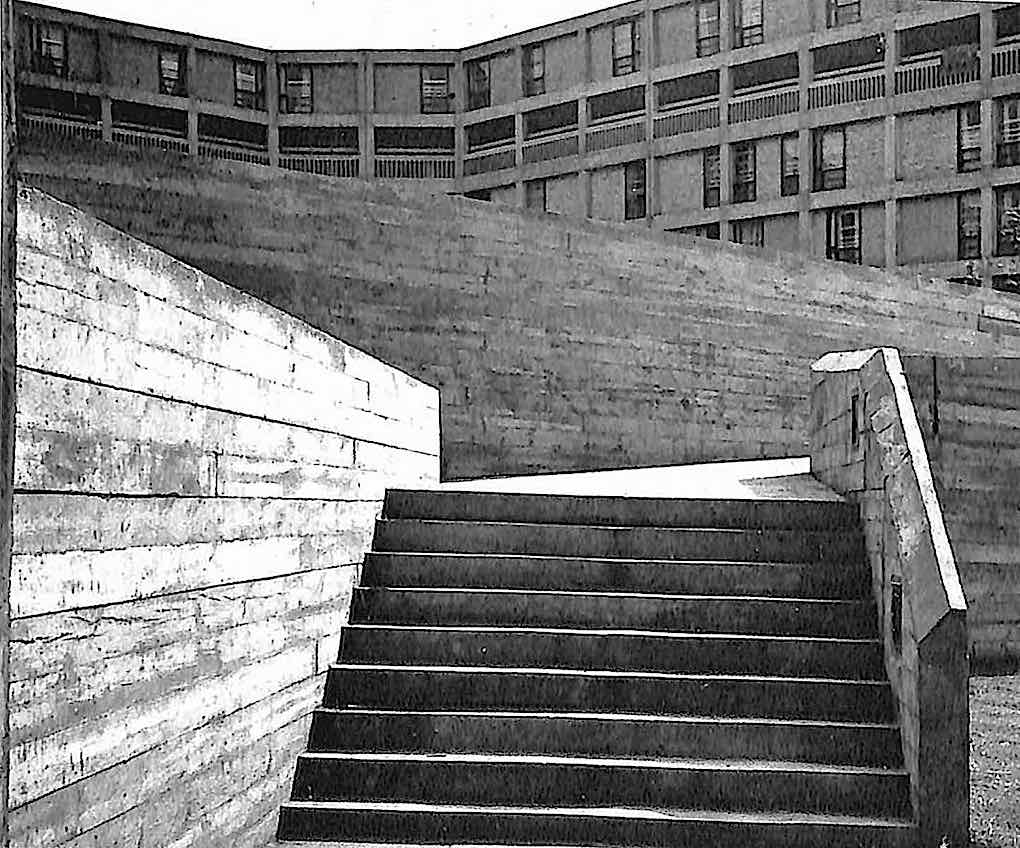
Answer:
(197, 476)
(558, 344)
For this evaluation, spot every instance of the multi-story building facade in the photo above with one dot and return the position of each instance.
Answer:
(883, 132)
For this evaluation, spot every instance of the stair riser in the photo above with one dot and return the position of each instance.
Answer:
(415, 733)
(555, 784)
(522, 829)
(693, 615)
(452, 690)
(511, 649)
(633, 542)
(815, 580)
(638, 512)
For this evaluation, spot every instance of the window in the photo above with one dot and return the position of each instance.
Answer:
(710, 177)
(479, 194)
(830, 158)
(843, 12)
(249, 84)
(750, 232)
(743, 172)
(296, 89)
(634, 205)
(843, 235)
(49, 48)
(172, 77)
(1007, 228)
(533, 70)
(748, 28)
(479, 95)
(708, 27)
(968, 225)
(534, 195)
(968, 137)
(1007, 148)
(435, 89)
(626, 54)
(789, 164)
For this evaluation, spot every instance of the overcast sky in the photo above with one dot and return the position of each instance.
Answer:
(341, 24)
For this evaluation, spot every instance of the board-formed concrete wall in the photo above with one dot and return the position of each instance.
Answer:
(558, 343)
(969, 410)
(197, 479)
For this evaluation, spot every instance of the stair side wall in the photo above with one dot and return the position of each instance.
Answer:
(198, 477)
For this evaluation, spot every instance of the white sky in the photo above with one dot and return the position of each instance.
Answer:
(341, 24)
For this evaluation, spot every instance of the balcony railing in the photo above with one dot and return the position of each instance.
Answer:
(146, 140)
(490, 160)
(846, 88)
(414, 167)
(1006, 60)
(688, 119)
(764, 104)
(931, 73)
(51, 125)
(618, 133)
(233, 152)
(322, 165)
(553, 148)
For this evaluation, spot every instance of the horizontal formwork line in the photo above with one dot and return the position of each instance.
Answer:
(432, 590)
(560, 558)
(851, 532)
(190, 496)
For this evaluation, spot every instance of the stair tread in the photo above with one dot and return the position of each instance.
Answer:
(824, 531)
(468, 590)
(777, 817)
(598, 559)
(662, 764)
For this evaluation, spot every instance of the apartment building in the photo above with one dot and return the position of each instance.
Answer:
(880, 132)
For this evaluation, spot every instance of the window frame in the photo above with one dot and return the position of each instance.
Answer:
(434, 104)
(789, 180)
(745, 34)
(968, 246)
(710, 177)
(1000, 194)
(529, 187)
(1007, 141)
(626, 63)
(744, 154)
(179, 86)
(255, 99)
(968, 158)
(706, 44)
(820, 179)
(533, 84)
(286, 106)
(635, 190)
(42, 61)
(834, 19)
(741, 228)
(479, 96)
(834, 232)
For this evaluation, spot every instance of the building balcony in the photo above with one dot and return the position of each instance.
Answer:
(852, 86)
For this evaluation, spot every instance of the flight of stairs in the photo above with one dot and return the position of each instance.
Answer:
(553, 670)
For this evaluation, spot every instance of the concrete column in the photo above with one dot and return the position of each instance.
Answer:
(273, 110)
(106, 116)
(192, 71)
(585, 54)
(519, 152)
(366, 126)
(890, 232)
(987, 226)
(651, 193)
(725, 168)
(584, 177)
(987, 23)
(726, 25)
(988, 118)
(8, 384)
(804, 155)
(459, 142)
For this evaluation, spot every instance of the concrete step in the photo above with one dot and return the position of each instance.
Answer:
(679, 613)
(576, 540)
(587, 734)
(554, 690)
(418, 824)
(515, 780)
(565, 574)
(858, 659)
(619, 511)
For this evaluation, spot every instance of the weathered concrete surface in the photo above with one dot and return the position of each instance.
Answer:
(198, 478)
(866, 443)
(559, 344)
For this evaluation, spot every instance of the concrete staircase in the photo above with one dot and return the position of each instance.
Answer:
(557, 670)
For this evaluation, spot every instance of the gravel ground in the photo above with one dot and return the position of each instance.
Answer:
(995, 762)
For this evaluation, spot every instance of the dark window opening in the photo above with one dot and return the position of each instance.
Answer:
(550, 119)
(744, 168)
(710, 177)
(748, 23)
(249, 84)
(626, 48)
(766, 71)
(708, 28)
(843, 235)
(231, 130)
(1007, 145)
(830, 159)
(693, 87)
(1007, 227)
(148, 118)
(842, 12)
(296, 89)
(968, 137)
(534, 195)
(479, 194)
(173, 65)
(750, 232)
(435, 89)
(49, 48)
(478, 75)
(63, 104)
(1008, 283)
(634, 199)
(789, 165)
(612, 103)
(318, 139)
(968, 210)
(938, 36)
(533, 69)
(415, 139)
(1007, 22)
(491, 132)
(848, 54)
